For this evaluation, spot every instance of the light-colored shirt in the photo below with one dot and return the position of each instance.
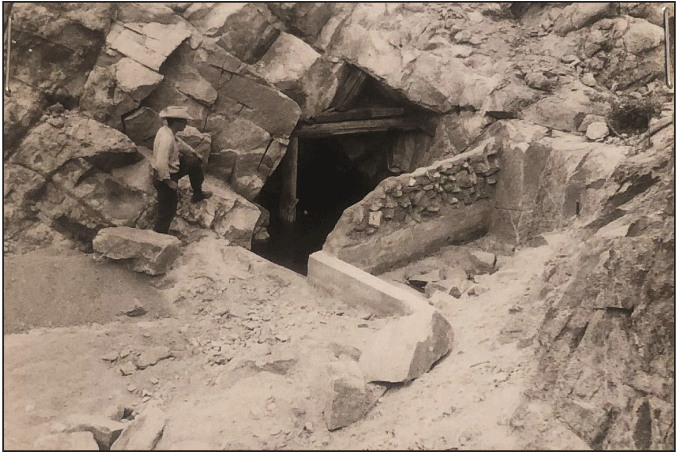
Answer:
(165, 153)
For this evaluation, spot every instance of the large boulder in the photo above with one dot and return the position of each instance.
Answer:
(440, 84)
(636, 56)
(268, 108)
(407, 347)
(641, 35)
(347, 395)
(652, 12)
(307, 19)
(159, 13)
(454, 133)
(546, 182)
(147, 43)
(297, 70)
(142, 125)
(104, 430)
(228, 214)
(58, 44)
(128, 70)
(143, 250)
(566, 107)
(62, 138)
(144, 432)
(21, 187)
(78, 185)
(510, 100)
(578, 15)
(243, 153)
(200, 142)
(114, 90)
(438, 80)
(243, 29)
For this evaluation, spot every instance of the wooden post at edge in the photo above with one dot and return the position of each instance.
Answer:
(287, 201)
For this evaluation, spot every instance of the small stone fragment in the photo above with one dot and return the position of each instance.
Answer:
(127, 368)
(152, 356)
(112, 356)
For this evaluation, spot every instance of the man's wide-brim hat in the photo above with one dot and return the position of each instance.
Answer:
(176, 112)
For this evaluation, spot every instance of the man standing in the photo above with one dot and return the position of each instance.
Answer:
(170, 163)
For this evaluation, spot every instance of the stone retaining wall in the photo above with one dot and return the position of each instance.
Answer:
(414, 213)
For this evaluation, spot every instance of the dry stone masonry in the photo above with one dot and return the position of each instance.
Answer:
(436, 197)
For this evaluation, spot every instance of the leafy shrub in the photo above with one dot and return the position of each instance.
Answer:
(631, 116)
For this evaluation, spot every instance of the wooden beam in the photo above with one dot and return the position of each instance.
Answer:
(349, 90)
(287, 200)
(348, 127)
(359, 113)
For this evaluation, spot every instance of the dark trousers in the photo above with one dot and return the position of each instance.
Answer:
(167, 197)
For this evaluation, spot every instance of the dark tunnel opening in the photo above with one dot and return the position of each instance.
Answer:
(334, 172)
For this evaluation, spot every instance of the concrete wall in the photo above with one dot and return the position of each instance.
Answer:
(413, 214)
(360, 289)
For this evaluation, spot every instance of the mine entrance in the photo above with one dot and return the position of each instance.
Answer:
(332, 162)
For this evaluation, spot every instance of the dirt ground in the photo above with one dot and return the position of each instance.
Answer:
(246, 344)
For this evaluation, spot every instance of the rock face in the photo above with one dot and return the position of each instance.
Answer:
(127, 71)
(146, 251)
(622, 52)
(57, 45)
(73, 164)
(60, 139)
(607, 358)
(546, 182)
(578, 15)
(407, 347)
(21, 111)
(561, 110)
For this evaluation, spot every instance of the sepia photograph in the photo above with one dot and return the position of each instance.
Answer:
(338, 226)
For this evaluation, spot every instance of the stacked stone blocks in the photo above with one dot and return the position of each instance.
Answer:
(430, 191)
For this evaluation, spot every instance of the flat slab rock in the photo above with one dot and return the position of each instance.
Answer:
(407, 347)
(147, 251)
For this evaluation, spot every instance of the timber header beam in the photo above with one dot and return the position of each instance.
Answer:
(364, 126)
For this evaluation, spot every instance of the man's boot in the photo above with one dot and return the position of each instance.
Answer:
(200, 196)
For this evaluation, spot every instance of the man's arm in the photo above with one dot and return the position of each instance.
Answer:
(185, 149)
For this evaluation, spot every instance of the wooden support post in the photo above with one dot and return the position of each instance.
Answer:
(287, 201)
